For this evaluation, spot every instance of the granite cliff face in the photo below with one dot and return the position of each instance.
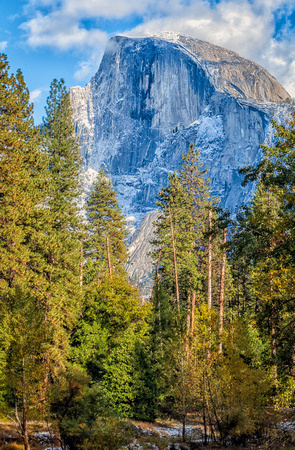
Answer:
(152, 97)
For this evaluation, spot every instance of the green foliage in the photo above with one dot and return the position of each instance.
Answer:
(105, 222)
(184, 211)
(240, 390)
(264, 243)
(146, 401)
(183, 231)
(61, 245)
(231, 389)
(114, 356)
(22, 183)
(75, 406)
(24, 370)
(23, 191)
(82, 413)
(228, 361)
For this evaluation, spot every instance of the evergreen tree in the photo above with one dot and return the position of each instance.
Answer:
(110, 341)
(182, 231)
(22, 182)
(106, 251)
(62, 237)
(276, 171)
(61, 243)
(22, 219)
(268, 226)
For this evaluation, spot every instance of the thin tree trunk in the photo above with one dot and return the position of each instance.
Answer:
(158, 263)
(188, 326)
(25, 410)
(204, 420)
(183, 401)
(244, 294)
(161, 338)
(210, 262)
(98, 273)
(221, 295)
(193, 312)
(45, 362)
(25, 428)
(188, 318)
(81, 266)
(174, 259)
(109, 257)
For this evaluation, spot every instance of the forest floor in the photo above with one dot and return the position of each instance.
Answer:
(160, 435)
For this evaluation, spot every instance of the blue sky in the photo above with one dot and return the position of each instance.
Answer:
(66, 38)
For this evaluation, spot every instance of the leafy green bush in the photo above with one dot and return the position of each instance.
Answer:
(79, 409)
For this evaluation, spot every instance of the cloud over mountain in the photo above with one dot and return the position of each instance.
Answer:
(262, 30)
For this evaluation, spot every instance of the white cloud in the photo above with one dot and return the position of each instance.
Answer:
(244, 26)
(3, 46)
(114, 9)
(61, 32)
(35, 95)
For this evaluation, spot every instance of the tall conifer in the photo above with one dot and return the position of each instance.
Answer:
(22, 177)
(184, 207)
(62, 235)
(106, 249)
(22, 219)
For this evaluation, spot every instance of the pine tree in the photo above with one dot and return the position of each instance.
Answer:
(63, 231)
(106, 251)
(62, 235)
(276, 171)
(62, 147)
(181, 231)
(22, 219)
(22, 178)
(269, 222)
(271, 282)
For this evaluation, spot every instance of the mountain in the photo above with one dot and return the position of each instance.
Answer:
(153, 96)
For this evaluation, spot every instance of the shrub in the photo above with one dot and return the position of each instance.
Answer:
(75, 406)
(110, 433)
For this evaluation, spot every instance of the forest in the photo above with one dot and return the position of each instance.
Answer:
(80, 351)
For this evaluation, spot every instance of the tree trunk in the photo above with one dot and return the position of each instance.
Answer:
(193, 312)
(183, 401)
(188, 318)
(174, 259)
(109, 257)
(25, 428)
(81, 266)
(158, 263)
(188, 327)
(210, 262)
(221, 294)
(25, 410)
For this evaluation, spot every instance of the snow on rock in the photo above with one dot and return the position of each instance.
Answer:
(151, 98)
